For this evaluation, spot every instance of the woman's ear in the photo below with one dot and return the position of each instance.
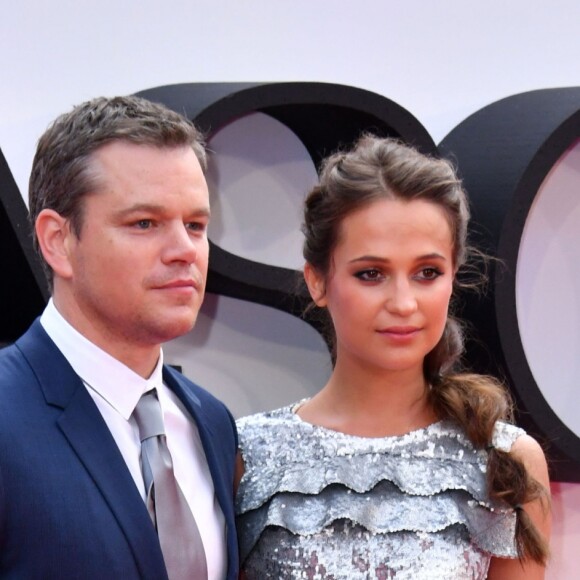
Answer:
(54, 236)
(316, 285)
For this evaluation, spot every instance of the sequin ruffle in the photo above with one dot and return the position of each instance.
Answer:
(383, 510)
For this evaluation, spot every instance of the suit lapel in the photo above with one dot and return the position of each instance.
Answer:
(206, 433)
(89, 436)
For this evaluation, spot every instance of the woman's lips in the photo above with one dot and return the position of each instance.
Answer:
(400, 333)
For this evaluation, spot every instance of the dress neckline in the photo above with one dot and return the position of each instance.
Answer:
(295, 407)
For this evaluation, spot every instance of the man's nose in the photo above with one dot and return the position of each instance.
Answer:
(179, 245)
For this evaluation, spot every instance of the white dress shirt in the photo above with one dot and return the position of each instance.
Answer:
(116, 389)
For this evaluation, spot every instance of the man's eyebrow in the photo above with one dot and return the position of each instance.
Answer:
(158, 209)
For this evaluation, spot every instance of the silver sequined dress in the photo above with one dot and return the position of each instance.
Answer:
(318, 504)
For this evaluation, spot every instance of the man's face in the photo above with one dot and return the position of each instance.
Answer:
(138, 268)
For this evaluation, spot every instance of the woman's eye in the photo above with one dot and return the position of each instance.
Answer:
(371, 275)
(430, 273)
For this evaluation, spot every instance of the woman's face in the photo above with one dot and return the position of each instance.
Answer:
(389, 285)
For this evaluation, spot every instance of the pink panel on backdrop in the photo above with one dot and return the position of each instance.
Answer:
(566, 532)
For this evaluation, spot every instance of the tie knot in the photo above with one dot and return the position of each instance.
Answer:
(149, 417)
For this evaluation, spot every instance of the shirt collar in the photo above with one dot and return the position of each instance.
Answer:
(111, 379)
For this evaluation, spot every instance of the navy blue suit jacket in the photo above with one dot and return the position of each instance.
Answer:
(69, 507)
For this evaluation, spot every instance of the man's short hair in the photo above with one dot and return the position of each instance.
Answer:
(61, 173)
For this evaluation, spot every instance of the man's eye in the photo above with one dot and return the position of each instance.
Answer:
(196, 226)
(143, 224)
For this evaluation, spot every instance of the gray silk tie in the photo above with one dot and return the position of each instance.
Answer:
(178, 533)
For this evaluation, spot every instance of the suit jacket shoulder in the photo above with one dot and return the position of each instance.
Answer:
(65, 487)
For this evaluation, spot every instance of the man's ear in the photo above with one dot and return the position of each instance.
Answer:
(316, 285)
(54, 237)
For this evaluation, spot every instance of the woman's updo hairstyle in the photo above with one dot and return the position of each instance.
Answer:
(384, 168)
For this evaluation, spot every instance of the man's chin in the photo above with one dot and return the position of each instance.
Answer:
(178, 327)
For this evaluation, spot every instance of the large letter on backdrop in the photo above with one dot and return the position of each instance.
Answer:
(323, 116)
(23, 291)
(520, 161)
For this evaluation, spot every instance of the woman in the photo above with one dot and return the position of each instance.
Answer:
(401, 466)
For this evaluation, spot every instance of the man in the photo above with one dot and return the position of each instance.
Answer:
(120, 210)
